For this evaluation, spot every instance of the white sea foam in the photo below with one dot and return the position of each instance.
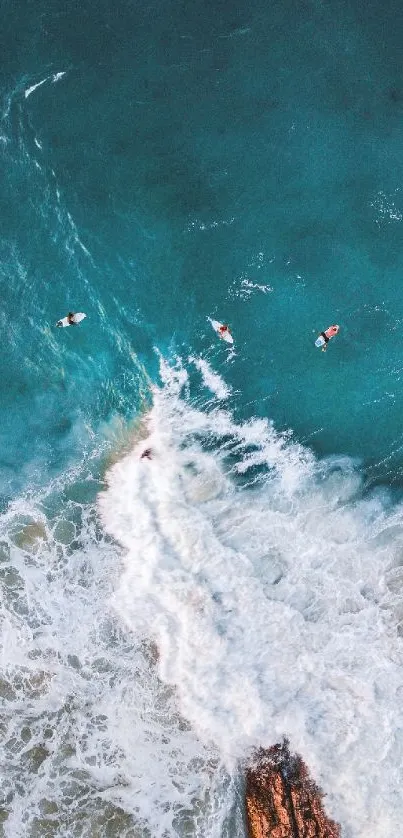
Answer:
(30, 90)
(385, 207)
(236, 33)
(210, 379)
(245, 288)
(275, 609)
(197, 224)
(273, 591)
(54, 78)
(88, 730)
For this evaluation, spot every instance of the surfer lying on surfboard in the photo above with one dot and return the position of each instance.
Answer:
(323, 339)
(71, 319)
(223, 330)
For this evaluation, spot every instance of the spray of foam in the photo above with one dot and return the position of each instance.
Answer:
(211, 380)
(274, 604)
(91, 741)
(54, 78)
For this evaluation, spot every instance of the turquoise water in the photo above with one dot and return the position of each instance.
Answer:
(194, 151)
(162, 163)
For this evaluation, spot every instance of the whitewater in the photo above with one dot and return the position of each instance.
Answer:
(228, 592)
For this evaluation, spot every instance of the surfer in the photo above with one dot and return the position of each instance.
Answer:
(223, 330)
(71, 319)
(324, 337)
(147, 454)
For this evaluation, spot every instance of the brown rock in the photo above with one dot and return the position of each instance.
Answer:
(281, 799)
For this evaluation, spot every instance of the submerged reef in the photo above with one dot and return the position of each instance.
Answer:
(281, 799)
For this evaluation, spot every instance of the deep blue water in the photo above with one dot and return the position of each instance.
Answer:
(195, 147)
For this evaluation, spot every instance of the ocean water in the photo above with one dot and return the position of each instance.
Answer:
(161, 164)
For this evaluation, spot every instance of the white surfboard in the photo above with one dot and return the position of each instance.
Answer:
(224, 336)
(320, 341)
(77, 318)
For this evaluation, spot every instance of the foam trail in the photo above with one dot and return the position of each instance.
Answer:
(274, 609)
(55, 78)
(211, 380)
(30, 90)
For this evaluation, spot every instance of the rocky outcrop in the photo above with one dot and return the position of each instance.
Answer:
(281, 799)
